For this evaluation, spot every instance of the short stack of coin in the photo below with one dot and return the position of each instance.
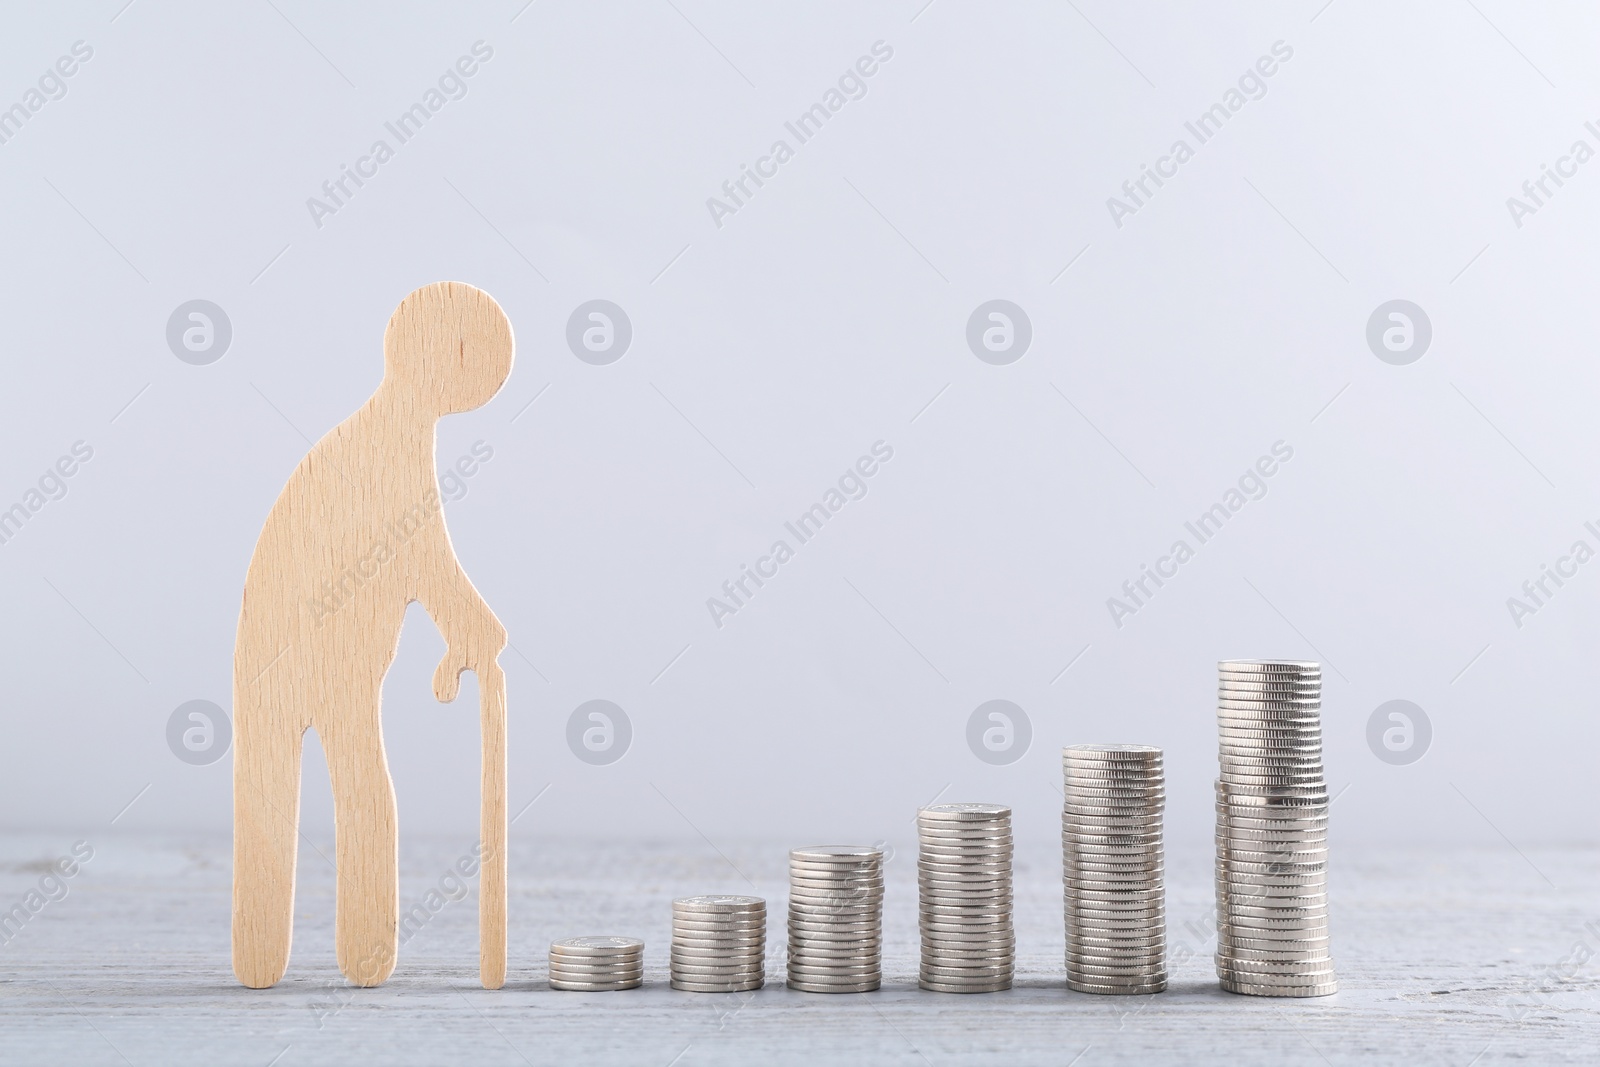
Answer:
(964, 898)
(1113, 868)
(1272, 831)
(596, 964)
(719, 944)
(836, 918)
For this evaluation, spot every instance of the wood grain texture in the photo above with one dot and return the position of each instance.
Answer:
(1445, 954)
(357, 534)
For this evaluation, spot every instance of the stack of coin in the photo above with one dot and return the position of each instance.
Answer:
(1113, 868)
(964, 898)
(1272, 831)
(596, 964)
(719, 944)
(836, 918)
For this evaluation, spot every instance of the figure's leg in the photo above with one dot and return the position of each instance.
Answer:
(266, 821)
(366, 845)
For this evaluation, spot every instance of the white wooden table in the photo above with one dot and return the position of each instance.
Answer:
(1446, 955)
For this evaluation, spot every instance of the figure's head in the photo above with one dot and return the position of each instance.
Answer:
(449, 346)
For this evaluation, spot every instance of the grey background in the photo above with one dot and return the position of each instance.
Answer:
(768, 354)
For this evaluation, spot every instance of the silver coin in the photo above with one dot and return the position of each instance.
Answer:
(1117, 989)
(594, 963)
(1109, 803)
(998, 952)
(1251, 732)
(1134, 847)
(1254, 859)
(966, 811)
(1230, 936)
(723, 948)
(1281, 984)
(1139, 878)
(1094, 915)
(810, 891)
(1266, 683)
(831, 932)
(1114, 926)
(1100, 773)
(1275, 970)
(834, 975)
(974, 937)
(1280, 955)
(1124, 969)
(1148, 864)
(1309, 920)
(1151, 789)
(1081, 972)
(836, 853)
(805, 986)
(863, 894)
(1138, 845)
(1233, 703)
(1115, 952)
(1274, 832)
(841, 925)
(1257, 762)
(819, 880)
(968, 978)
(1299, 897)
(967, 919)
(948, 909)
(754, 921)
(969, 882)
(717, 987)
(940, 868)
(1131, 824)
(1255, 989)
(976, 983)
(835, 950)
(1099, 948)
(597, 946)
(934, 986)
(995, 923)
(595, 977)
(1257, 930)
(966, 933)
(745, 950)
(1084, 881)
(841, 971)
(692, 936)
(1096, 774)
(719, 903)
(993, 865)
(1111, 924)
(1281, 820)
(1268, 869)
(722, 969)
(962, 844)
(595, 987)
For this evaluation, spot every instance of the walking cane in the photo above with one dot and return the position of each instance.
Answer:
(493, 832)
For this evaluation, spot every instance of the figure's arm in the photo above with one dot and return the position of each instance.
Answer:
(474, 637)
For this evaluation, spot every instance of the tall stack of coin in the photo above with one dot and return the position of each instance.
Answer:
(964, 897)
(1272, 831)
(836, 918)
(719, 943)
(596, 964)
(1113, 868)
